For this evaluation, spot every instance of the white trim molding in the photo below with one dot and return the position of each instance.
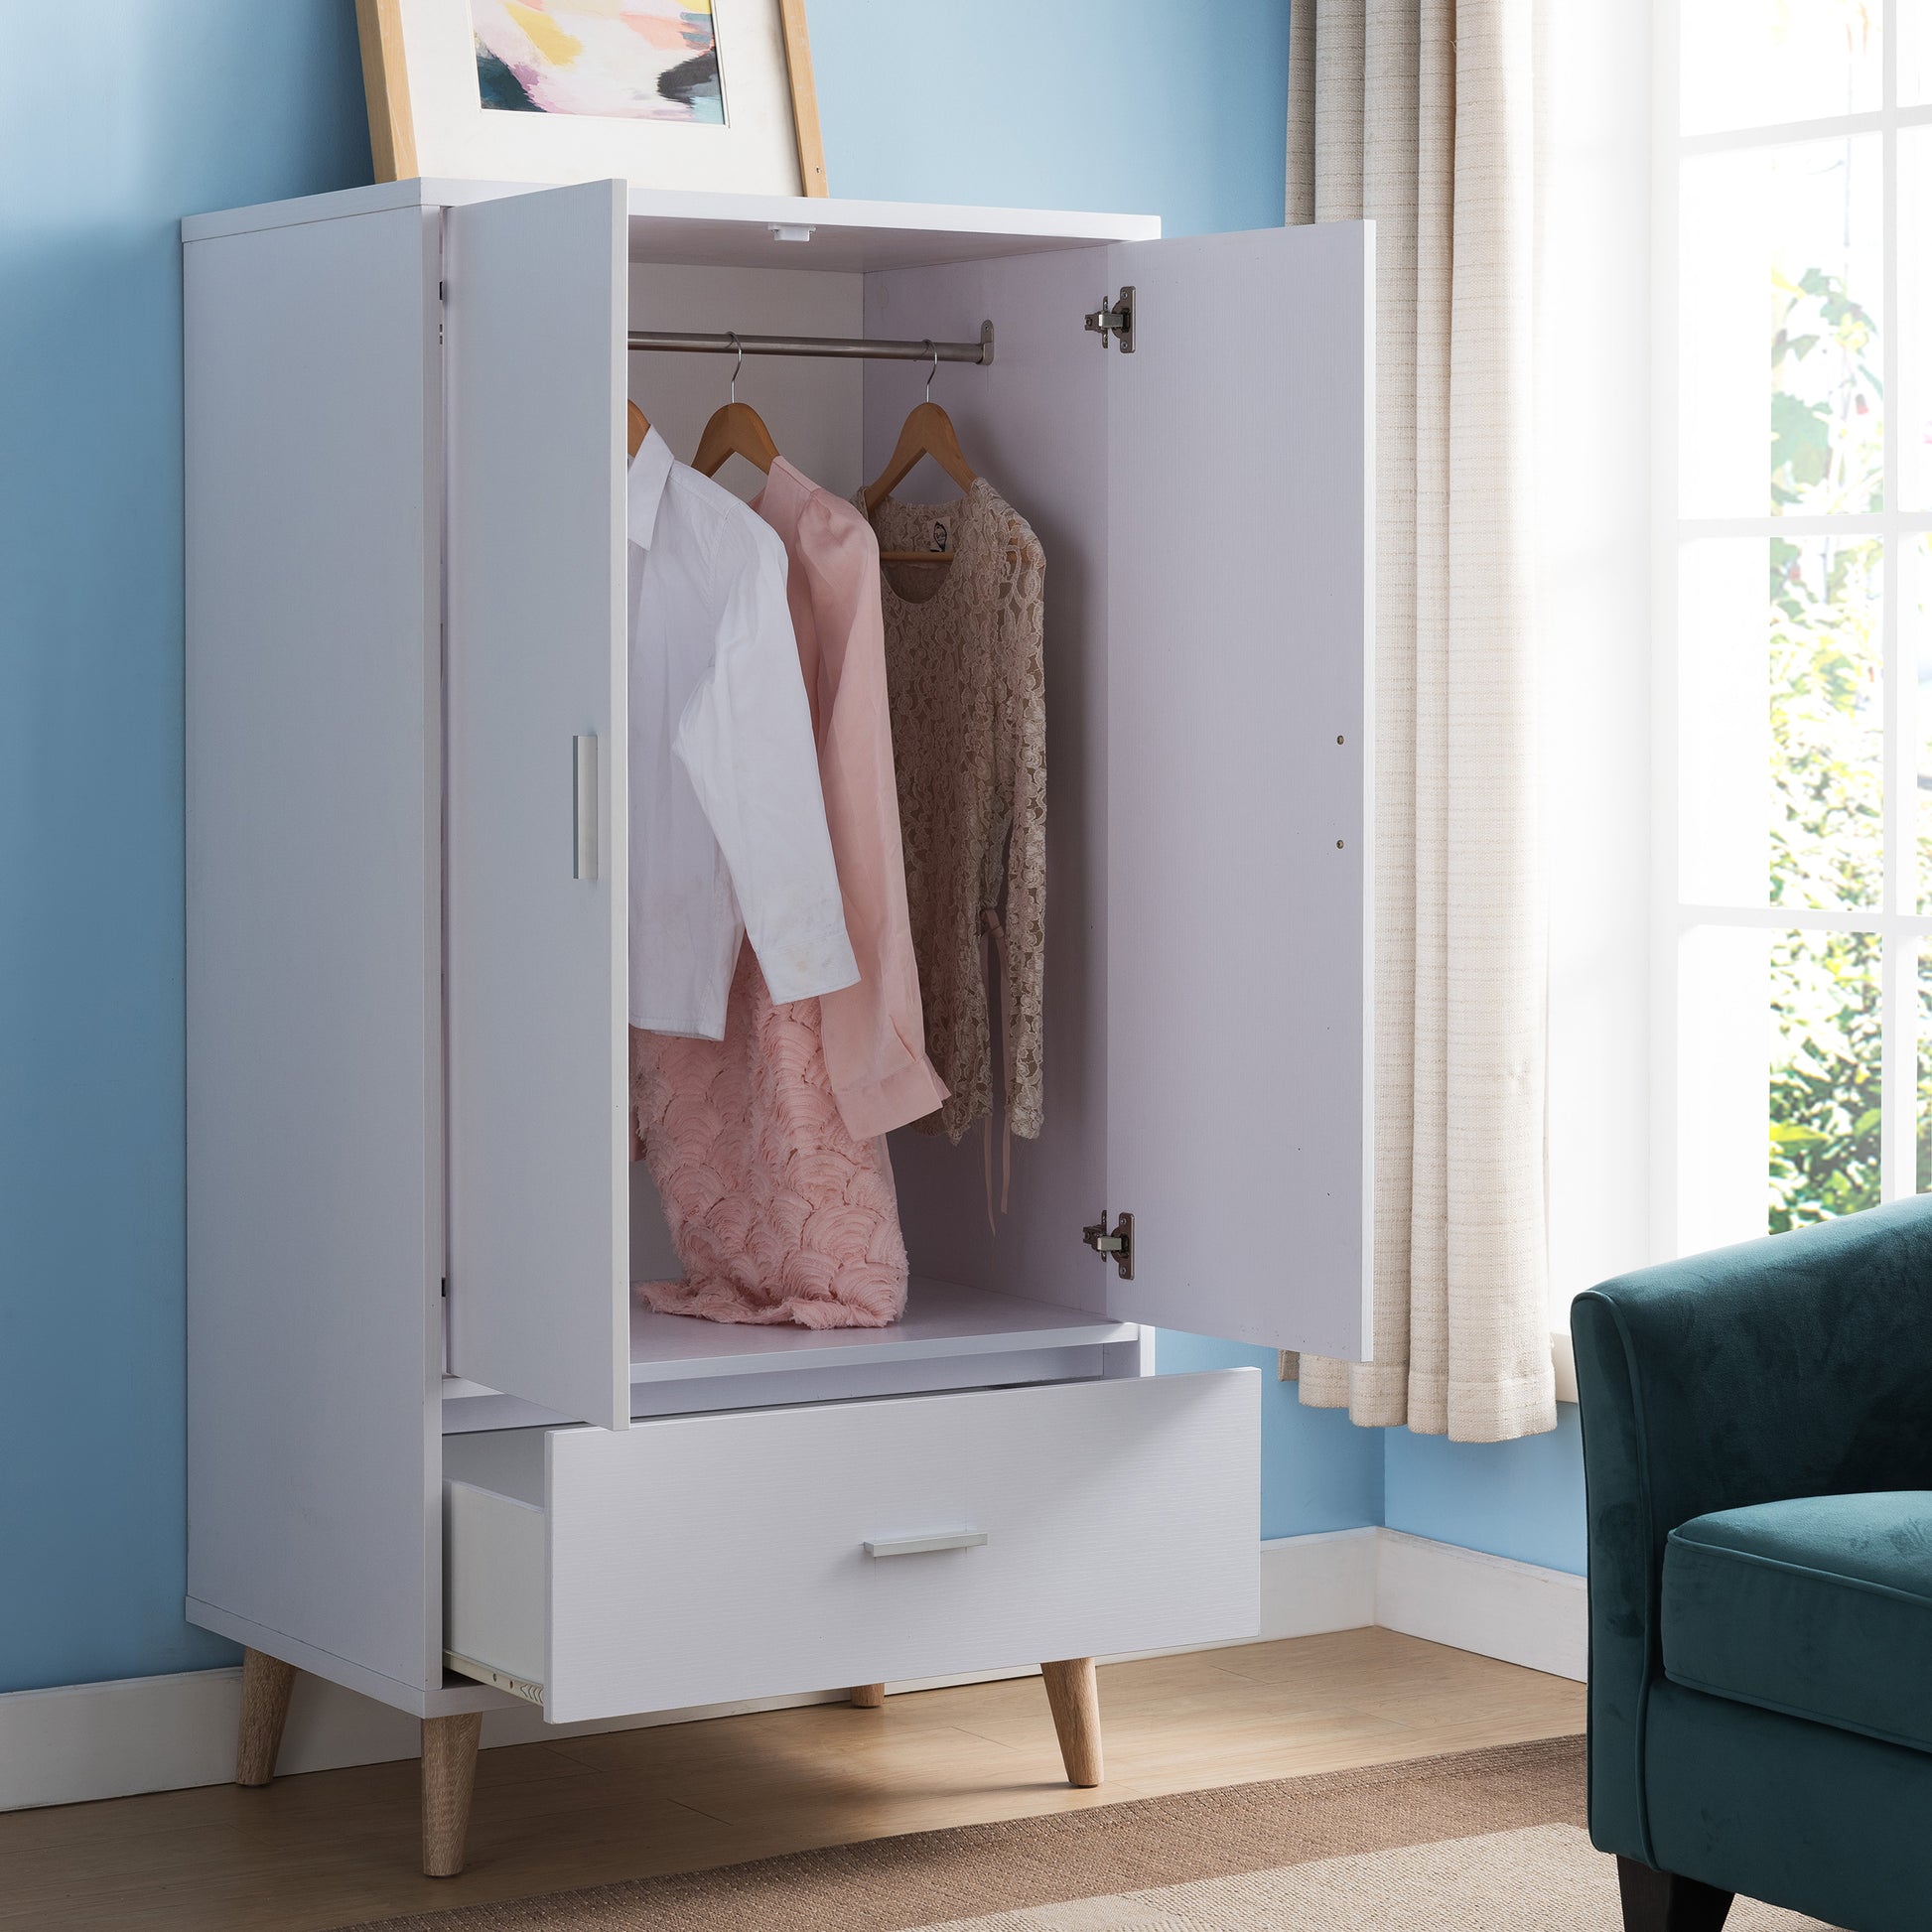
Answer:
(85, 1742)
(1517, 1611)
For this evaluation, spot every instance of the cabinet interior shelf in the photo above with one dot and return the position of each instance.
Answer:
(941, 1319)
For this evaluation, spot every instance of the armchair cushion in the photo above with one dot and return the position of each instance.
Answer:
(1819, 1608)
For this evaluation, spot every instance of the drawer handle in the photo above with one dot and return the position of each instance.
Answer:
(918, 1546)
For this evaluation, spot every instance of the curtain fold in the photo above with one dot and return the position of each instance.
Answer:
(1419, 114)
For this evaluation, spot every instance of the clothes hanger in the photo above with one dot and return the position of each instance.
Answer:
(927, 431)
(734, 430)
(640, 425)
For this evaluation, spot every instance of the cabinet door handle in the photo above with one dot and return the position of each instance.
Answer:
(918, 1546)
(584, 795)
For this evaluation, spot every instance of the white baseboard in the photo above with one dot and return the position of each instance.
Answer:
(1517, 1611)
(164, 1733)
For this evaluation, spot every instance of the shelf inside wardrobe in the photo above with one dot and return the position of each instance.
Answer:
(950, 1337)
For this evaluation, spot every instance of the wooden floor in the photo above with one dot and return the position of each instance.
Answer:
(311, 1853)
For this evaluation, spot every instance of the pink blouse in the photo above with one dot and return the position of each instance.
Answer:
(874, 1031)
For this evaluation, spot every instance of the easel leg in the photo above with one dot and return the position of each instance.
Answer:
(869, 1697)
(266, 1683)
(1073, 1696)
(449, 1779)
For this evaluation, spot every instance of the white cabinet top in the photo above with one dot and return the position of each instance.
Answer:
(744, 230)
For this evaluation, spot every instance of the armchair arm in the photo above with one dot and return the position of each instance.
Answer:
(1800, 1365)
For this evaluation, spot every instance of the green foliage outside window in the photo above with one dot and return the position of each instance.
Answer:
(1826, 754)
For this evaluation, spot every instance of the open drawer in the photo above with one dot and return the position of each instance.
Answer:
(702, 1559)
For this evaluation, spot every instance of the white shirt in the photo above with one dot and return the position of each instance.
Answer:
(727, 831)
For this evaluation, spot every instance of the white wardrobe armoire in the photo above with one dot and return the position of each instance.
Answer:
(436, 1451)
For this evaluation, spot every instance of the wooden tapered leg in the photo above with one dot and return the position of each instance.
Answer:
(1073, 1696)
(869, 1697)
(1661, 1901)
(265, 1686)
(449, 1778)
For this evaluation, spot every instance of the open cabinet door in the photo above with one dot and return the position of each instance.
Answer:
(1238, 761)
(537, 856)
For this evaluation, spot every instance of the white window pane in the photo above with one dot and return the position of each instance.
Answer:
(1915, 28)
(1826, 1073)
(1924, 1067)
(1915, 599)
(1781, 739)
(1724, 991)
(1780, 279)
(1757, 62)
(1911, 406)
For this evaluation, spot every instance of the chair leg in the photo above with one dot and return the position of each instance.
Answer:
(449, 1779)
(869, 1697)
(1073, 1696)
(1661, 1901)
(265, 1686)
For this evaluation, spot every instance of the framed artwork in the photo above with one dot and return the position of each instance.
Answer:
(669, 93)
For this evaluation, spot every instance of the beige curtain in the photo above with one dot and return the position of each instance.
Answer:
(1419, 114)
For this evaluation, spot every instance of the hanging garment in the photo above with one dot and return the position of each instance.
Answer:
(966, 672)
(768, 1150)
(727, 831)
(874, 1031)
(776, 1211)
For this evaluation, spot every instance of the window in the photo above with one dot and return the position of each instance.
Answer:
(1794, 453)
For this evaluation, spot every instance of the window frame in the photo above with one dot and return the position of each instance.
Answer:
(1901, 932)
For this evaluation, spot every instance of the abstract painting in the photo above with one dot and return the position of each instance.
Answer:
(628, 60)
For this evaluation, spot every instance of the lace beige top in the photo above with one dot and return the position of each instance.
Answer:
(966, 677)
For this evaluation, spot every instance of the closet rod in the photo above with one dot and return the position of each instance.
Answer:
(845, 347)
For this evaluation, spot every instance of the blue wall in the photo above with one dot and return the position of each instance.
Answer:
(1514, 1499)
(123, 115)
(132, 115)
(1319, 1472)
(1170, 108)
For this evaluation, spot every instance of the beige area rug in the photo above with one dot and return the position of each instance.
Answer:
(1488, 1840)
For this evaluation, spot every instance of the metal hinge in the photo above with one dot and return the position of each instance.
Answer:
(1119, 1244)
(1114, 321)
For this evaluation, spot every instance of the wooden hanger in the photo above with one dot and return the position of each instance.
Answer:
(927, 431)
(639, 426)
(735, 429)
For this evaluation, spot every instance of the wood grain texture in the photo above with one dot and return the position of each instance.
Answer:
(449, 1781)
(869, 1697)
(594, 1809)
(1073, 1696)
(804, 99)
(266, 1686)
(385, 81)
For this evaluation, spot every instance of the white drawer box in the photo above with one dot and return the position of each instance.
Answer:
(702, 1559)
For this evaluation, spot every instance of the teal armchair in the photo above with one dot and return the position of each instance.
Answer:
(1757, 1447)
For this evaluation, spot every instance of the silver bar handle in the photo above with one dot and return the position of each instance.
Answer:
(584, 791)
(918, 1546)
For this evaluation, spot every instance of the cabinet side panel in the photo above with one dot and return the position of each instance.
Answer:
(313, 1032)
(1238, 834)
(1034, 425)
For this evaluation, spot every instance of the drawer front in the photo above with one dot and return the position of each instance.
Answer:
(702, 1559)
